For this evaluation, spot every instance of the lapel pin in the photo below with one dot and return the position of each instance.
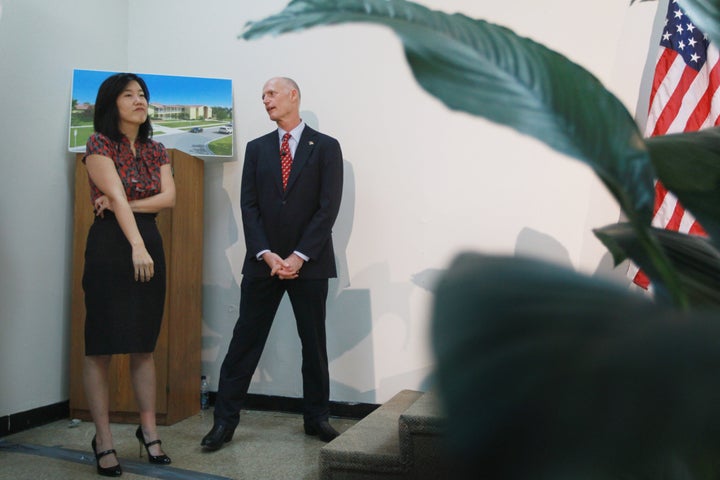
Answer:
(311, 142)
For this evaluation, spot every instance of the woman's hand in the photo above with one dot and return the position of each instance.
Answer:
(101, 204)
(143, 264)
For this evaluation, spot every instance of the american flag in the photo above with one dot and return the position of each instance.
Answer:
(682, 99)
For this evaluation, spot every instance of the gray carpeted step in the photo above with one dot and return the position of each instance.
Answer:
(421, 433)
(370, 449)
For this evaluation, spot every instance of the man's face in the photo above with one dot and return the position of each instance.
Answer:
(279, 99)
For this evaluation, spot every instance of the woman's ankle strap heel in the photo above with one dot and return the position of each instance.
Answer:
(114, 471)
(156, 459)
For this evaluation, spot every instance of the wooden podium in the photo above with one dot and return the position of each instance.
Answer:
(177, 355)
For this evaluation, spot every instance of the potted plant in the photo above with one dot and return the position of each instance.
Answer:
(544, 372)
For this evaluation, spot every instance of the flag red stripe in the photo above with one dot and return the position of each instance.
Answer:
(641, 279)
(676, 218)
(665, 61)
(660, 192)
(672, 107)
(697, 229)
(700, 116)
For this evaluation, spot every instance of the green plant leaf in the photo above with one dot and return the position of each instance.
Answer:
(706, 15)
(487, 70)
(688, 164)
(694, 258)
(579, 377)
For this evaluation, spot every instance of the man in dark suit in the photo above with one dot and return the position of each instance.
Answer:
(288, 226)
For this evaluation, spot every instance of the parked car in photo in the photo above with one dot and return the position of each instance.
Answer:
(196, 130)
(225, 129)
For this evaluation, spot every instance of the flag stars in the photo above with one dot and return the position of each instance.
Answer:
(684, 37)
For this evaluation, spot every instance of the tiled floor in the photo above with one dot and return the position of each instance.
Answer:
(266, 445)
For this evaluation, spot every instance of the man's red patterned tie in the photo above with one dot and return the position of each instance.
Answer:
(285, 159)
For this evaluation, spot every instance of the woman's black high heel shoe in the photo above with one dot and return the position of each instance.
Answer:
(114, 471)
(156, 459)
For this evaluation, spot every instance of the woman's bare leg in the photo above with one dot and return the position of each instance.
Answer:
(142, 372)
(95, 380)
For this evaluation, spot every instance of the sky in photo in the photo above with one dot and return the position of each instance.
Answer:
(164, 89)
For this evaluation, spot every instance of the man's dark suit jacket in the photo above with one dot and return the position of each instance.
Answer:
(300, 218)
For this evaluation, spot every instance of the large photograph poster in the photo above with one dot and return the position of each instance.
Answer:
(191, 114)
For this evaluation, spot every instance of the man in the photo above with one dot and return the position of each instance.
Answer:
(290, 197)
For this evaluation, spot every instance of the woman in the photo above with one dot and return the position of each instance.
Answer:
(124, 279)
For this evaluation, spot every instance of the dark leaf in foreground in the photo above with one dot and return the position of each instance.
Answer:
(688, 164)
(546, 373)
(694, 258)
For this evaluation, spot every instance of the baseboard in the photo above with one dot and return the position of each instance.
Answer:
(17, 422)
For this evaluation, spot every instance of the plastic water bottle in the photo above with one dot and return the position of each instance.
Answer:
(204, 390)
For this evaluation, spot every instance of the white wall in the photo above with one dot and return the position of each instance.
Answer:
(40, 44)
(474, 185)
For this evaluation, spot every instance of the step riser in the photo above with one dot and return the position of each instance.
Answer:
(402, 439)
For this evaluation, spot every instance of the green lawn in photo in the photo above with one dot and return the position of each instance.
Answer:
(222, 146)
(84, 132)
(79, 135)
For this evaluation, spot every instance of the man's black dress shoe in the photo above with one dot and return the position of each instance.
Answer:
(322, 429)
(218, 435)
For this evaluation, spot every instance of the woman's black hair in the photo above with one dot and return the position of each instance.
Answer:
(107, 117)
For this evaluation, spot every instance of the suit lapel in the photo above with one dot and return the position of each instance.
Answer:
(272, 147)
(302, 153)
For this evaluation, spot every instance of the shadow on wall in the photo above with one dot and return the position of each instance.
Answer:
(351, 351)
(349, 324)
(530, 243)
(220, 298)
(349, 314)
(349, 319)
